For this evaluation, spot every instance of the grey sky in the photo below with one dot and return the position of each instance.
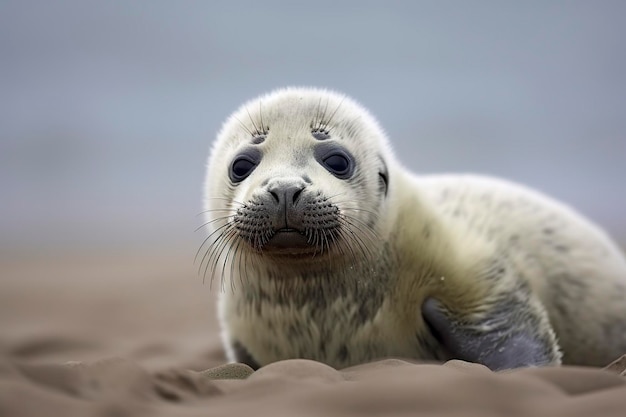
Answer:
(108, 109)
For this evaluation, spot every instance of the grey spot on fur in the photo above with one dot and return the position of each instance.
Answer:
(561, 248)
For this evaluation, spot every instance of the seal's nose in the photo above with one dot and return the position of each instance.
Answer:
(286, 195)
(284, 201)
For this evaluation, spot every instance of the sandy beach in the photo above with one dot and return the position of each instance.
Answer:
(133, 334)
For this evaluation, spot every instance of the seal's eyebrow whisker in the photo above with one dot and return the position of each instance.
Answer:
(263, 130)
(328, 122)
(318, 117)
(243, 125)
(322, 121)
(256, 129)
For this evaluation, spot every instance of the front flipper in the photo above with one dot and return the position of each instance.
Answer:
(512, 334)
(243, 356)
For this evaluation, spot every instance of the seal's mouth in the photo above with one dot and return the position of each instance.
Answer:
(287, 239)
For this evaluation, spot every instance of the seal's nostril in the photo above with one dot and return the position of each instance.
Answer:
(273, 193)
(296, 195)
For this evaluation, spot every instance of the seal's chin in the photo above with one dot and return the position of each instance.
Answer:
(288, 241)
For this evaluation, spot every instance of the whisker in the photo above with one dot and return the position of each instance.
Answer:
(212, 221)
(323, 124)
(233, 207)
(354, 237)
(366, 233)
(237, 257)
(219, 229)
(216, 210)
(316, 120)
(360, 222)
(342, 247)
(246, 258)
(334, 113)
(256, 129)
(243, 125)
(226, 199)
(343, 208)
(216, 252)
(333, 196)
(263, 130)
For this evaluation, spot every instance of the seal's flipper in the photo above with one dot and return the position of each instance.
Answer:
(243, 356)
(495, 342)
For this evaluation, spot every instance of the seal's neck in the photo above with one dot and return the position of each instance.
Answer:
(358, 279)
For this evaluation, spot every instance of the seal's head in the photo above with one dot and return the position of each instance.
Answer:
(296, 176)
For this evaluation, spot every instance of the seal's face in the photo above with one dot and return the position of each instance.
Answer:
(296, 176)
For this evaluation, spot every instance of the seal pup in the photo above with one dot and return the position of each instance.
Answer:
(328, 249)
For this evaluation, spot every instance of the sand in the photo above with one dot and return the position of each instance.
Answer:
(135, 334)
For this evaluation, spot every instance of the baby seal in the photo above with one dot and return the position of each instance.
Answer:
(335, 252)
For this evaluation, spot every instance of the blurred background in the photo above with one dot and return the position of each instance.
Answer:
(108, 109)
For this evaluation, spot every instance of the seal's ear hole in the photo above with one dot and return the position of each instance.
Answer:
(383, 177)
(384, 182)
(244, 164)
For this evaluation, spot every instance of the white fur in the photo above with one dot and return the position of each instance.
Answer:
(470, 221)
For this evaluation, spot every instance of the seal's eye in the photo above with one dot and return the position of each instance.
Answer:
(337, 163)
(244, 164)
(242, 167)
(336, 159)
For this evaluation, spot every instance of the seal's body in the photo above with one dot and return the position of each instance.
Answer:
(334, 252)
